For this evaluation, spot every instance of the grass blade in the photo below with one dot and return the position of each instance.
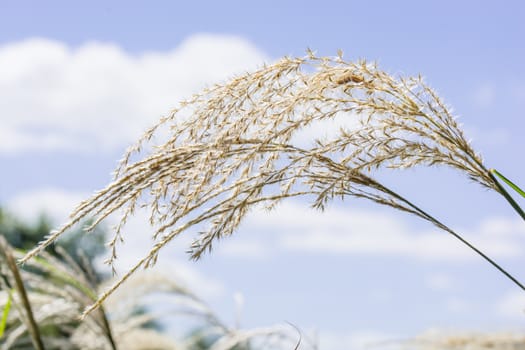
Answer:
(504, 192)
(508, 182)
(5, 313)
(32, 327)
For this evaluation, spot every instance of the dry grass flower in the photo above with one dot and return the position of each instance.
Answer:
(231, 147)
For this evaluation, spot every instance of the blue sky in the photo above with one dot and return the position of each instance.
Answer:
(79, 81)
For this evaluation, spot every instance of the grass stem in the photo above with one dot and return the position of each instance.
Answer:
(107, 328)
(506, 194)
(19, 285)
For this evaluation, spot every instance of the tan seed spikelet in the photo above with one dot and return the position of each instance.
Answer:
(347, 78)
(230, 148)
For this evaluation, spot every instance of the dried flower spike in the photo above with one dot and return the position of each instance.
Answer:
(232, 147)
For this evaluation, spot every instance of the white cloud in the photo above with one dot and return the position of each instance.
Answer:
(294, 226)
(97, 97)
(340, 231)
(512, 305)
(55, 203)
(501, 227)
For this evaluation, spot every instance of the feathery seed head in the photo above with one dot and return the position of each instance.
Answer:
(232, 147)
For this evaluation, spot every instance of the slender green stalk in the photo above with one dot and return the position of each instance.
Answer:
(508, 182)
(19, 285)
(504, 192)
(5, 313)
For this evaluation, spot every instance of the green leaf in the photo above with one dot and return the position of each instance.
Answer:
(508, 182)
(5, 313)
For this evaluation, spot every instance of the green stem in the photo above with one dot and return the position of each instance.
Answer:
(508, 182)
(19, 284)
(107, 326)
(505, 194)
(71, 280)
(5, 313)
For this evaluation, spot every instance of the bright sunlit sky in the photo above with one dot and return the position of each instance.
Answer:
(79, 81)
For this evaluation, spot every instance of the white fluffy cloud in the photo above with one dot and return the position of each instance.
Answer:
(55, 203)
(97, 97)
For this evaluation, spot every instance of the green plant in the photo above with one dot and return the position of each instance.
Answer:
(50, 293)
(5, 313)
(232, 147)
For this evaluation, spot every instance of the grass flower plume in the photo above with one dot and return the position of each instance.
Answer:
(232, 147)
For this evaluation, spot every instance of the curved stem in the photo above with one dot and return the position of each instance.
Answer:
(32, 326)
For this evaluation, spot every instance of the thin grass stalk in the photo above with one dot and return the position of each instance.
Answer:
(506, 194)
(107, 328)
(19, 285)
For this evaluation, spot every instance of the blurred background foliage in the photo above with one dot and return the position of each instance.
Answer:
(62, 282)
(80, 246)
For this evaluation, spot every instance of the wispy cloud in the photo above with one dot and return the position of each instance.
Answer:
(294, 227)
(341, 231)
